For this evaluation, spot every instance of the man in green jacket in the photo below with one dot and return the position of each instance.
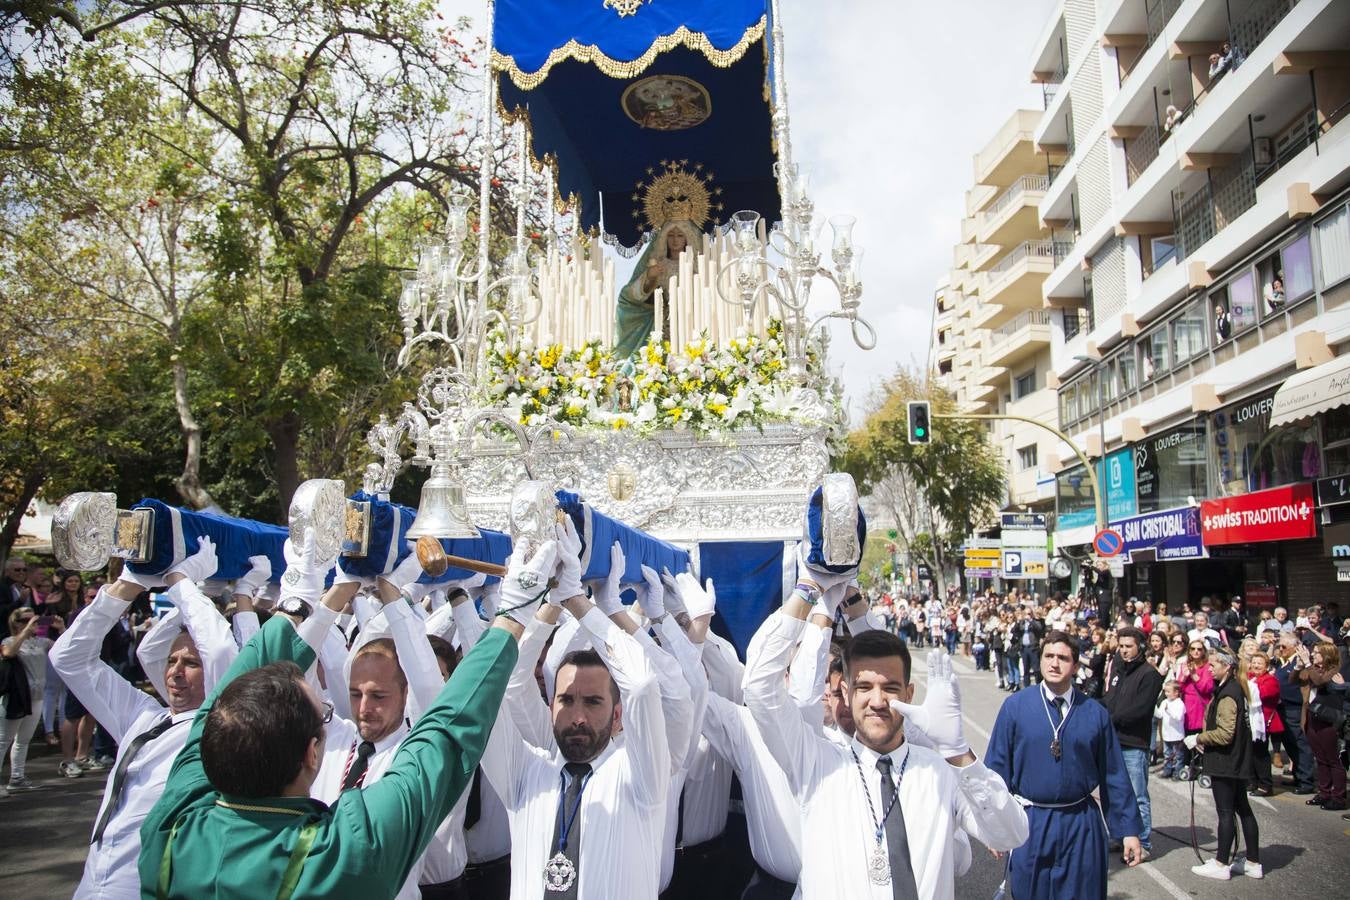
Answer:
(236, 819)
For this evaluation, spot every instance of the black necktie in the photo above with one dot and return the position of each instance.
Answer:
(1059, 710)
(119, 776)
(473, 810)
(897, 841)
(364, 751)
(569, 814)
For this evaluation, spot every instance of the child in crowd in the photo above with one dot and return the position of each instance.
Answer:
(1172, 713)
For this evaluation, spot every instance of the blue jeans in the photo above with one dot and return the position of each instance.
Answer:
(1136, 764)
(1011, 659)
(951, 637)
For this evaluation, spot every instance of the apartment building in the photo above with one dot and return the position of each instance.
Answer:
(1198, 162)
(992, 334)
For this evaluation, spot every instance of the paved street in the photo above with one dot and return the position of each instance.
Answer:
(1305, 850)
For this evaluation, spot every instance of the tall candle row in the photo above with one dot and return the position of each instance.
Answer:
(578, 298)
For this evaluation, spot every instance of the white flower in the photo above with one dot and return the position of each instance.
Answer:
(647, 412)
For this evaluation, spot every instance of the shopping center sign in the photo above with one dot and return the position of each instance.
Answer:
(1171, 534)
(1279, 514)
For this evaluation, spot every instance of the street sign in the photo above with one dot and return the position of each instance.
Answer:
(1024, 562)
(1108, 542)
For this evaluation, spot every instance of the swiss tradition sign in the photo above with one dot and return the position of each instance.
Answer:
(1279, 514)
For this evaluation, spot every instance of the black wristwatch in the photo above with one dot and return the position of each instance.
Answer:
(294, 606)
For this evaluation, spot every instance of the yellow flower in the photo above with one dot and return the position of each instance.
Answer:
(677, 413)
(619, 423)
(543, 392)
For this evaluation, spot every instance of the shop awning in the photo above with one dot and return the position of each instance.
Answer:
(1312, 391)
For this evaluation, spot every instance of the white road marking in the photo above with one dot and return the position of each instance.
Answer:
(1164, 882)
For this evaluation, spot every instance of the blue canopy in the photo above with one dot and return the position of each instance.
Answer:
(618, 101)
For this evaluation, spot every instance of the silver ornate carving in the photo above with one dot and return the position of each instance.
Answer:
(839, 520)
(321, 504)
(533, 513)
(83, 530)
(747, 485)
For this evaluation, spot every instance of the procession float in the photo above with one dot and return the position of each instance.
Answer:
(684, 407)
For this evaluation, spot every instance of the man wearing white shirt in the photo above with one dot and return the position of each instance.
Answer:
(587, 818)
(148, 735)
(849, 794)
(1202, 631)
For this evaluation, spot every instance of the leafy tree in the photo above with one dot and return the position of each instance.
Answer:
(936, 492)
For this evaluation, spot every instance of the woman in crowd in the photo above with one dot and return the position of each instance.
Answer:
(1226, 746)
(1092, 664)
(1268, 690)
(1196, 679)
(68, 597)
(1326, 699)
(25, 649)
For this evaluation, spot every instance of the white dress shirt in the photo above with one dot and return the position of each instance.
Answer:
(125, 711)
(623, 805)
(935, 797)
(772, 816)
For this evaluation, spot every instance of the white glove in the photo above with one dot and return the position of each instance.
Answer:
(491, 598)
(674, 602)
(823, 577)
(1190, 741)
(406, 572)
(652, 596)
(831, 598)
(476, 580)
(605, 593)
(201, 565)
(940, 715)
(526, 581)
(569, 564)
(699, 601)
(259, 573)
(342, 576)
(304, 571)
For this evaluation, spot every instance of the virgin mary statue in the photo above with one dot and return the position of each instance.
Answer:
(658, 264)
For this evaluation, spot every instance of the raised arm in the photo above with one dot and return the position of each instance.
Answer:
(528, 710)
(644, 724)
(110, 698)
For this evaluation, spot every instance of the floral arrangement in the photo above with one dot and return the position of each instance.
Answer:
(703, 387)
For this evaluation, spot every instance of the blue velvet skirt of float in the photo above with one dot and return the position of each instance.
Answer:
(388, 546)
(175, 535)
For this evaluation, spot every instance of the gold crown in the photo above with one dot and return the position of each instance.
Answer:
(677, 193)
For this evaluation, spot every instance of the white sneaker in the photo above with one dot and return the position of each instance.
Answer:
(1213, 869)
(1248, 868)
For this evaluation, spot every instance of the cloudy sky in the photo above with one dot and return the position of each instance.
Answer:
(890, 101)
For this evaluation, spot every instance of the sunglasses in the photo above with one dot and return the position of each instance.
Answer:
(327, 712)
(1197, 647)
(1179, 643)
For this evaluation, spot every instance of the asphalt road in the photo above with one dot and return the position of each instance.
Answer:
(1305, 850)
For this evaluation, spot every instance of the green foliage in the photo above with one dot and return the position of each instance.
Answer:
(937, 491)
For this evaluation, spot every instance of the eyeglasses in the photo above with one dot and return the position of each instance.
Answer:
(327, 712)
(1200, 647)
(1179, 643)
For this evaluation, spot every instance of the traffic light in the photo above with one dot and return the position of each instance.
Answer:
(919, 432)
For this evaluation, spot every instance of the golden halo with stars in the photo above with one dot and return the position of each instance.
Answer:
(677, 192)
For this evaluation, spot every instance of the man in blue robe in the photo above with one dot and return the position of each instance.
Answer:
(1054, 747)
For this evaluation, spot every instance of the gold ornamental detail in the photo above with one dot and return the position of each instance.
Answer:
(676, 193)
(624, 7)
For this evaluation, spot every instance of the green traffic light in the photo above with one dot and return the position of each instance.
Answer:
(919, 431)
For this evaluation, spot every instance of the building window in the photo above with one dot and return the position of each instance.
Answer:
(1026, 458)
(1333, 240)
(1024, 385)
(1126, 367)
(1188, 333)
(1155, 355)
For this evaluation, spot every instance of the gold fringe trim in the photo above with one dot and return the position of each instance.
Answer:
(590, 53)
(563, 205)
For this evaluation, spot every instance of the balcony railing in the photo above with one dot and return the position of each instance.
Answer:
(1075, 322)
(1253, 21)
(1141, 151)
(1268, 157)
(1015, 190)
(1061, 247)
(1227, 194)
(1024, 320)
(1159, 12)
(1024, 251)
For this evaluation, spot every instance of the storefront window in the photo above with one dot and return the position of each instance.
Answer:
(1074, 507)
(1171, 468)
(1336, 441)
(1250, 456)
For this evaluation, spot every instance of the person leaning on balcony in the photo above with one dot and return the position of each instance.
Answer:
(1173, 118)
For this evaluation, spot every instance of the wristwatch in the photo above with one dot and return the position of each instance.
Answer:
(294, 606)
